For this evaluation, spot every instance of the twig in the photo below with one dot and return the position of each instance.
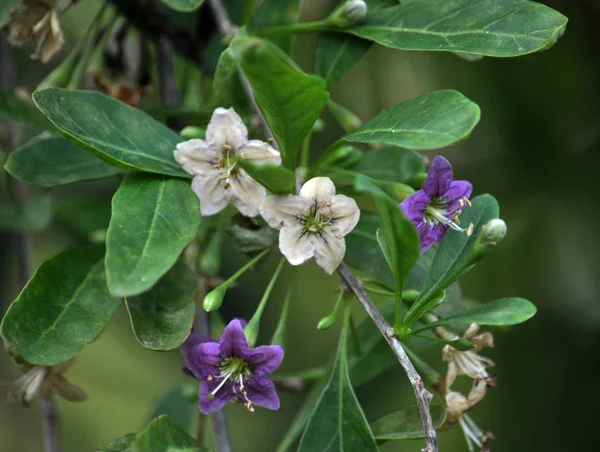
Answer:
(423, 396)
(48, 411)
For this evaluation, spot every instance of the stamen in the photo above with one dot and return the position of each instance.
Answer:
(219, 164)
(219, 387)
(224, 176)
(210, 378)
(466, 201)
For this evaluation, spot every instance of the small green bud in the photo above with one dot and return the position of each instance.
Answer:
(326, 322)
(350, 13)
(347, 120)
(491, 234)
(213, 300)
(410, 296)
(341, 155)
(417, 180)
(318, 126)
(191, 132)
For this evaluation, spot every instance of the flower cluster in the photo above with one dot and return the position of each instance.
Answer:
(229, 370)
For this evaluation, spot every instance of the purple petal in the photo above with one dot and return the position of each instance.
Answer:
(458, 189)
(221, 398)
(205, 359)
(233, 341)
(430, 235)
(438, 178)
(193, 340)
(261, 391)
(264, 360)
(414, 206)
(242, 322)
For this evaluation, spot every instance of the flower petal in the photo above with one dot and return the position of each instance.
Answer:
(196, 157)
(414, 206)
(318, 188)
(226, 127)
(192, 340)
(211, 192)
(345, 215)
(264, 360)
(458, 190)
(204, 360)
(329, 251)
(233, 341)
(438, 178)
(283, 210)
(222, 396)
(245, 194)
(67, 390)
(295, 245)
(261, 391)
(430, 235)
(260, 152)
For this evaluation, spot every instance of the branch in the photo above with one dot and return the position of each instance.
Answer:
(48, 411)
(423, 396)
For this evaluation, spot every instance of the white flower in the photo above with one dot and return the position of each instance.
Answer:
(312, 224)
(218, 180)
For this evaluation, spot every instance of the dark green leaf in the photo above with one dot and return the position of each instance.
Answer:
(35, 214)
(124, 444)
(164, 435)
(277, 12)
(84, 215)
(506, 311)
(484, 27)
(52, 161)
(336, 55)
(290, 100)
(184, 6)
(362, 249)
(431, 121)
(406, 423)
(153, 219)
(338, 422)
(6, 7)
(225, 74)
(180, 402)
(113, 131)
(252, 239)
(276, 179)
(390, 163)
(162, 317)
(454, 254)
(65, 305)
(380, 235)
(16, 109)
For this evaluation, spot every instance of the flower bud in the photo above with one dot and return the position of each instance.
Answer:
(191, 132)
(350, 13)
(491, 234)
(347, 120)
(214, 299)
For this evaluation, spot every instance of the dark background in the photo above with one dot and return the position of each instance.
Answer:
(535, 149)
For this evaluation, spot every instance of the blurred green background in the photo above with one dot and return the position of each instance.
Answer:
(534, 150)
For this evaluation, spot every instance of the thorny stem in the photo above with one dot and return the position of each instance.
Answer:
(423, 396)
(48, 411)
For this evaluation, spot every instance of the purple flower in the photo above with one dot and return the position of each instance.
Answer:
(230, 370)
(436, 207)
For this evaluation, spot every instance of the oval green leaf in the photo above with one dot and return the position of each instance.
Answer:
(406, 423)
(180, 402)
(164, 435)
(431, 121)
(65, 305)
(290, 100)
(336, 55)
(17, 109)
(53, 161)
(113, 131)
(277, 12)
(153, 219)
(162, 317)
(485, 27)
(277, 179)
(390, 163)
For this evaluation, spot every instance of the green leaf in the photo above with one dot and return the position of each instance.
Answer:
(402, 241)
(153, 219)
(184, 6)
(225, 75)
(506, 311)
(362, 249)
(52, 161)
(454, 254)
(16, 109)
(64, 306)
(380, 235)
(485, 27)
(162, 317)
(336, 55)
(123, 444)
(390, 163)
(6, 9)
(338, 422)
(406, 423)
(290, 100)
(34, 215)
(113, 131)
(164, 435)
(250, 237)
(180, 402)
(277, 12)
(431, 121)
(277, 179)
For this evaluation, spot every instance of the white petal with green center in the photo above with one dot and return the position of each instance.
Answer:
(245, 193)
(195, 156)
(319, 188)
(260, 152)
(226, 128)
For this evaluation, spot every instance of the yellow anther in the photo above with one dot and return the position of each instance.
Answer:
(209, 378)
(469, 230)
